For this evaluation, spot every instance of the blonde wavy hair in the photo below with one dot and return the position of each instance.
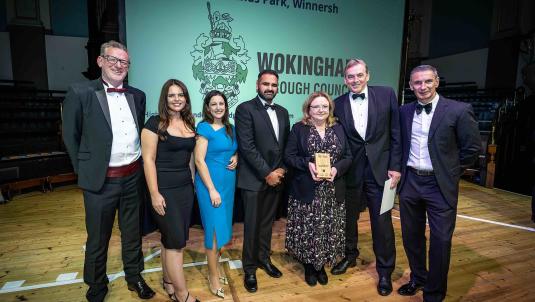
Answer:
(331, 120)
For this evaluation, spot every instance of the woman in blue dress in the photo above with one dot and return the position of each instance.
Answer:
(216, 160)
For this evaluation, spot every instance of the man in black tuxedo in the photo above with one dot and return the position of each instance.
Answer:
(102, 120)
(262, 128)
(370, 117)
(440, 137)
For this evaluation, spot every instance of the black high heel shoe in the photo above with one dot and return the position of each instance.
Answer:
(171, 295)
(186, 300)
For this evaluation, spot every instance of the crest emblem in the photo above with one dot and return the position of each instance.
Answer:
(220, 60)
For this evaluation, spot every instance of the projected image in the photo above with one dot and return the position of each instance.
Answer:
(223, 45)
(220, 60)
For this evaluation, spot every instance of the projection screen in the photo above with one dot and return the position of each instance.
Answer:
(223, 44)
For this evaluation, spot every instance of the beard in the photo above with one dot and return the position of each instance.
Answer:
(268, 98)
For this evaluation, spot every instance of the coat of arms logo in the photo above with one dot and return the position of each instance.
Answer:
(220, 61)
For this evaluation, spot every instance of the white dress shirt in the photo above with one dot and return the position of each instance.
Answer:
(359, 110)
(125, 146)
(273, 117)
(419, 154)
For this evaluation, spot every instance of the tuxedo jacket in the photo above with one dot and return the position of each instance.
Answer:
(453, 142)
(382, 145)
(259, 150)
(87, 132)
(297, 157)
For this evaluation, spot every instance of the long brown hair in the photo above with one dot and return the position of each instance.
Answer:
(165, 113)
(208, 117)
(331, 120)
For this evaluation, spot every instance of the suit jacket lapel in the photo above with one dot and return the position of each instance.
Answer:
(439, 113)
(281, 123)
(372, 113)
(267, 120)
(132, 105)
(103, 101)
(408, 122)
(349, 116)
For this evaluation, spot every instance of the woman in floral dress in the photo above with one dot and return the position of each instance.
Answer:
(316, 208)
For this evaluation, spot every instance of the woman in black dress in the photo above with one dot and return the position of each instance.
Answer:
(167, 142)
(316, 207)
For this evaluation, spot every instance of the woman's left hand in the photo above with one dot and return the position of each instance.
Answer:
(233, 162)
(333, 174)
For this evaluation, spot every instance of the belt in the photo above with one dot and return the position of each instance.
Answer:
(123, 171)
(421, 172)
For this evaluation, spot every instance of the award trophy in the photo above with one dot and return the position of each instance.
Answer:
(323, 165)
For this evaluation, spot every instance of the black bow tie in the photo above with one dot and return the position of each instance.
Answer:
(427, 108)
(358, 95)
(267, 106)
(119, 90)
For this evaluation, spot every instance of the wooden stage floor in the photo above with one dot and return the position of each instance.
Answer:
(42, 239)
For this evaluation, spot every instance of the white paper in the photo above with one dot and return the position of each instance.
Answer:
(387, 203)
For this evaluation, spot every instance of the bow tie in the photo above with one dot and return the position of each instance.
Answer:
(358, 95)
(267, 106)
(427, 108)
(119, 90)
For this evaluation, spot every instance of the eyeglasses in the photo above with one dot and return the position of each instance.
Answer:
(113, 60)
(177, 95)
(317, 107)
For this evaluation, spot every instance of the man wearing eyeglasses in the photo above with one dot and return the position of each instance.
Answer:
(102, 120)
(370, 117)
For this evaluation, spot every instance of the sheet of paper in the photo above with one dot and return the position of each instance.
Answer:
(388, 197)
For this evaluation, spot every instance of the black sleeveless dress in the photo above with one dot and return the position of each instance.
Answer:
(175, 184)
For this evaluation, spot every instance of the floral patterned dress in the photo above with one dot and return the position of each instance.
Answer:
(315, 232)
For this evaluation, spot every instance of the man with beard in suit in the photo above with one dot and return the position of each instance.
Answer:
(440, 138)
(370, 117)
(102, 121)
(262, 128)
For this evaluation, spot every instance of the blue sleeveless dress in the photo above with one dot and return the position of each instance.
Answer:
(219, 151)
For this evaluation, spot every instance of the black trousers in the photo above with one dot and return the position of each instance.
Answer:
(259, 208)
(384, 247)
(421, 197)
(354, 200)
(119, 194)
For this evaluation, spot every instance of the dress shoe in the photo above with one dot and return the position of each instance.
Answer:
(142, 289)
(384, 287)
(270, 269)
(310, 275)
(342, 266)
(96, 293)
(218, 292)
(322, 276)
(409, 289)
(223, 280)
(249, 281)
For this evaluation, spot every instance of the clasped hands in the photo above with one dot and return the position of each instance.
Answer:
(314, 172)
(275, 177)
